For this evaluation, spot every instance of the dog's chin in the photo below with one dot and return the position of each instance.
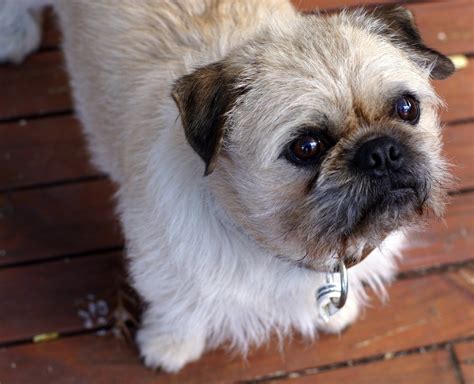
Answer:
(397, 204)
(397, 208)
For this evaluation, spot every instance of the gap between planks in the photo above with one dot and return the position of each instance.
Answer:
(445, 345)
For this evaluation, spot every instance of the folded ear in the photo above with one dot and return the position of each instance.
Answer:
(203, 98)
(399, 26)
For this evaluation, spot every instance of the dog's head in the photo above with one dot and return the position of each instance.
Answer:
(322, 134)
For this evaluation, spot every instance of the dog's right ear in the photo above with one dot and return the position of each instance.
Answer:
(399, 26)
(203, 98)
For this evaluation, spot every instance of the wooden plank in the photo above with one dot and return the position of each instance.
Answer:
(105, 359)
(48, 222)
(53, 149)
(78, 360)
(443, 241)
(60, 296)
(458, 93)
(420, 312)
(37, 86)
(311, 5)
(446, 25)
(51, 36)
(43, 80)
(465, 354)
(459, 150)
(42, 151)
(427, 368)
(37, 224)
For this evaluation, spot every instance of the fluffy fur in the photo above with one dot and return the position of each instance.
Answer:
(238, 255)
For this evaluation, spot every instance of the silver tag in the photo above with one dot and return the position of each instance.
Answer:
(331, 296)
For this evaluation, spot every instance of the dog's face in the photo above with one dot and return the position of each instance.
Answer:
(322, 135)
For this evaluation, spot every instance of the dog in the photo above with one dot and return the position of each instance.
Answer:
(255, 149)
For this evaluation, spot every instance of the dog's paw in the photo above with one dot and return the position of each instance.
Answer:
(20, 31)
(168, 352)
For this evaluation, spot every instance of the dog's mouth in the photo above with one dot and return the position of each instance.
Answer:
(396, 200)
(383, 211)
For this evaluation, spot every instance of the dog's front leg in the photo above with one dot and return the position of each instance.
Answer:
(169, 350)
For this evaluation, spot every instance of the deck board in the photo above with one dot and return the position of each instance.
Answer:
(51, 36)
(53, 149)
(57, 221)
(43, 79)
(61, 296)
(80, 217)
(450, 240)
(60, 248)
(43, 151)
(465, 355)
(427, 368)
(38, 86)
(434, 309)
(459, 149)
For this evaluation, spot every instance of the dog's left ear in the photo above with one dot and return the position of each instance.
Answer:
(203, 98)
(400, 28)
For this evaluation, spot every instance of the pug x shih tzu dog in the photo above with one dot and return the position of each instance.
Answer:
(255, 149)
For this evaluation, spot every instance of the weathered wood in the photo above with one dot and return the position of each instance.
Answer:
(42, 151)
(443, 241)
(51, 36)
(70, 219)
(37, 86)
(420, 312)
(465, 354)
(446, 25)
(426, 368)
(53, 149)
(75, 218)
(311, 5)
(60, 296)
(458, 93)
(459, 150)
(57, 221)
(104, 359)
(78, 360)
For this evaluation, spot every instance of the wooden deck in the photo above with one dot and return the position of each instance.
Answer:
(61, 249)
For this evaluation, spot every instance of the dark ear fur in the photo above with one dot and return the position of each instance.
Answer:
(203, 97)
(401, 29)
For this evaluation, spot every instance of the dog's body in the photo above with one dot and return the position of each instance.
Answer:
(211, 256)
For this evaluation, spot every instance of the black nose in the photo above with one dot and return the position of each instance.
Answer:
(378, 157)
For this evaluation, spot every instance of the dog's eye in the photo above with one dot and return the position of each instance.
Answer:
(305, 150)
(408, 109)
